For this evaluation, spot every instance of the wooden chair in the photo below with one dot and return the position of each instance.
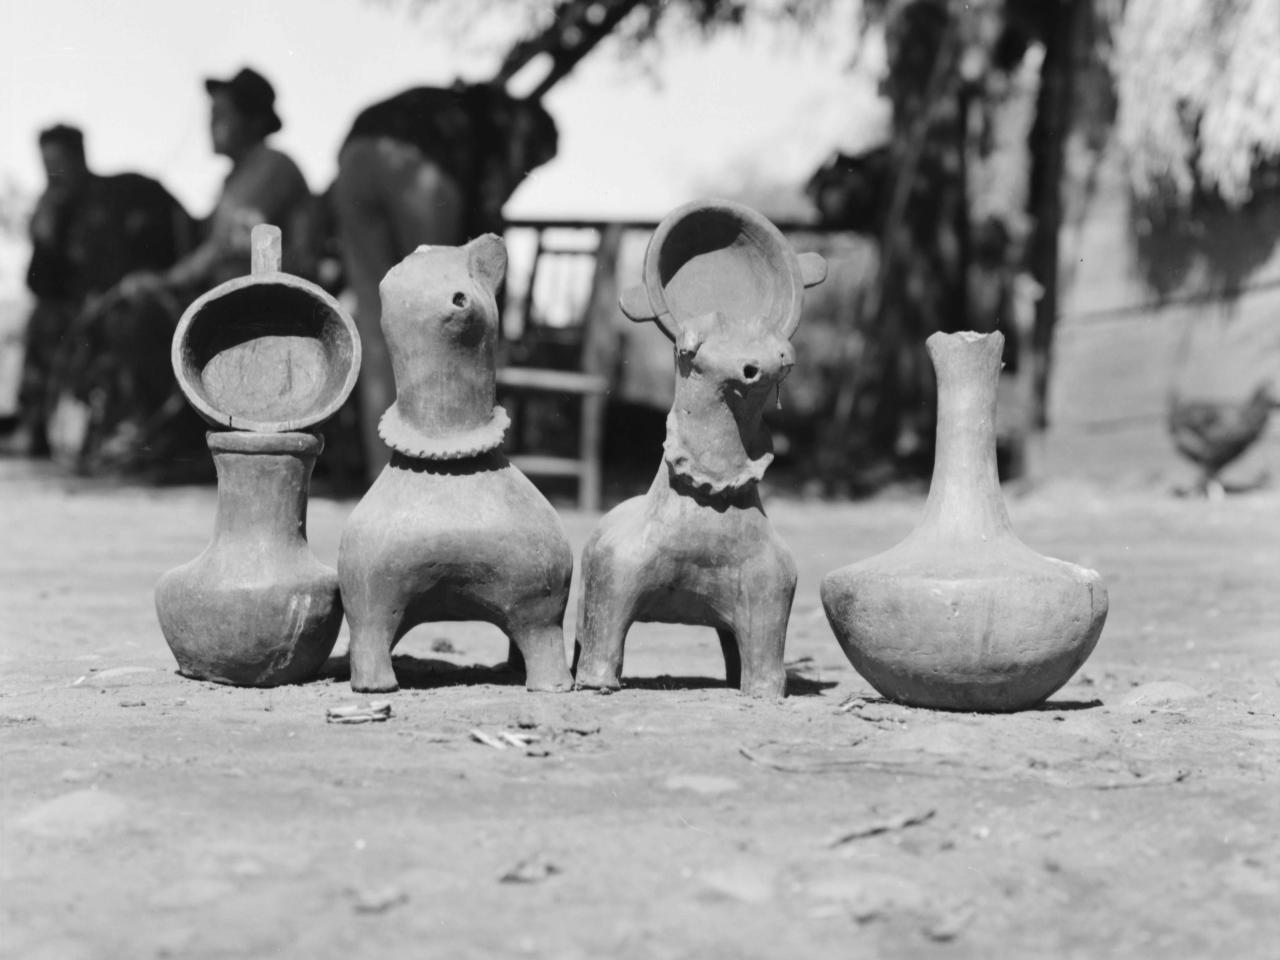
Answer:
(588, 384)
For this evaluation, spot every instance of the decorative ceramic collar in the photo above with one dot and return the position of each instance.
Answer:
(683, 466)
(404, 437)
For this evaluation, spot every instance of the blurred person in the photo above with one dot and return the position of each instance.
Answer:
(149, 428)
(263, 186)
(87, 232)
(426, 166)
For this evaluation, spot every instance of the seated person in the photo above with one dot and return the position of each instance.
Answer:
(87, 232)
(150, 428)
(263, 186)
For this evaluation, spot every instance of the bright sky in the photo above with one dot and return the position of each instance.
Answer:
(129, 72)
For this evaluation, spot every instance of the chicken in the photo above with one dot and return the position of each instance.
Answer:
(1214, 433)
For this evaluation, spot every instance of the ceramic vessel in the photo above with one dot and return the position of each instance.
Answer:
(724, 285)
(450, 530)
(256, 607)
(961, 615)
(266, 355)
(268, 352)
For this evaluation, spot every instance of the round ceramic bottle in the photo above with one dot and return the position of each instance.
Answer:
(256, 608)
(961, 615)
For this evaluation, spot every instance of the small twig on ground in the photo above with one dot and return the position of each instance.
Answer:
(886, 825)
(582, 730)
(1156, 780)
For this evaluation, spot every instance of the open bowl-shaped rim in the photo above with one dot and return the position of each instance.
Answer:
(708, 226)
(318, 314)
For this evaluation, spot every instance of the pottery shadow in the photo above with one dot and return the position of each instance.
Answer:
(1047, 706)
(796, 686)
(420, 673)
(668, 682)
(801, 686)
(1065, 706)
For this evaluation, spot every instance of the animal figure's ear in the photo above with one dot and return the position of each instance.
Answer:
(692, 332)
(487, 260)
(813, 269)
(635, 304)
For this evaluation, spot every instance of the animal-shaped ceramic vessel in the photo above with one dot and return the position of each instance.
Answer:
(450, 530)
(722, 282)
(266, 358)
(962, 615)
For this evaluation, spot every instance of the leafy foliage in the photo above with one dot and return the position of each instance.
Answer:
(1199, 95)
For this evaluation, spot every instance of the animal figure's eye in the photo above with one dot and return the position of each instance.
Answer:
(459, 299)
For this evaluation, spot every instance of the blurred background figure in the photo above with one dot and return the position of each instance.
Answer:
(87, 232)
(263, 186)
(141, 423)
(1225, 382)
(427, 166)
(1047, 170)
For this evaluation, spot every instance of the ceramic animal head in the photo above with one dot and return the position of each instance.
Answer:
(744, 361)
(440, 320)
(723, 283)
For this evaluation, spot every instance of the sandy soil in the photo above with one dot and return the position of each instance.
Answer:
(147, 815)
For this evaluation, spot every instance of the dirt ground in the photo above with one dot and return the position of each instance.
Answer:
(1136, 815)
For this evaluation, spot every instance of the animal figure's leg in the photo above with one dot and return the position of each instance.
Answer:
(610, 592)
(374, 632)
(376, 612)
(542, 648)
(732, 659)
(761, 628)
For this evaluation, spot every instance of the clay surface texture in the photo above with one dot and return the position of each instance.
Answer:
(450, 530)
(961, 615)
(724, 285)
(264, 354)
(256, 608)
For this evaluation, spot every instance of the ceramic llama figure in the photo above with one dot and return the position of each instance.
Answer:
(450, 530)
(724, 285)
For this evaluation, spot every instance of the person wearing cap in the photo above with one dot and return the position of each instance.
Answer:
(263, 186)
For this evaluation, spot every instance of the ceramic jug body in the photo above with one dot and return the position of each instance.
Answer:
(961, 615)
(256, 608)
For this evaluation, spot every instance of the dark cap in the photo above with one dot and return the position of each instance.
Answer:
(252, 94)
(68, 136)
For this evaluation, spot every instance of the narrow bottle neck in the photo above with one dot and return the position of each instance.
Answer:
(965, 501)
(262, 495)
